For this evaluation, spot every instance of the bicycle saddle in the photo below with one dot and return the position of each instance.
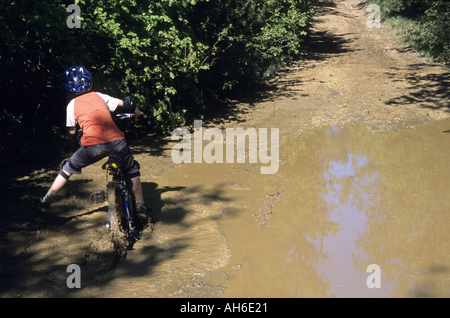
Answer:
(111, 164)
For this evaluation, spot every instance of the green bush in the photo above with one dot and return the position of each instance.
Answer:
(424, 24)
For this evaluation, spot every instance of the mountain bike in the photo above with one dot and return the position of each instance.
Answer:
(122, 221)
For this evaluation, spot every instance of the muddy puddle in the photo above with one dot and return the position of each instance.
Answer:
(351, 198)
(343, 198)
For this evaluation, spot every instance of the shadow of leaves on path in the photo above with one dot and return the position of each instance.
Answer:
(429, 90)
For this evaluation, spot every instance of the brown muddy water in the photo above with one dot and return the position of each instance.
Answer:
(342, 199)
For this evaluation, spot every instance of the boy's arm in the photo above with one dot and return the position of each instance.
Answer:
(71, 124)
(137, 112)
(72, 130)
(127, 103)
(72, 135)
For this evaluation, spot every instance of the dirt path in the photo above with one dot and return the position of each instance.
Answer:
(352, 74)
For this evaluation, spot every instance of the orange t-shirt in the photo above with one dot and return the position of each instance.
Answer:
(93, 115)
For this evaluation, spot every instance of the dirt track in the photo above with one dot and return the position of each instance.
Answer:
(351, 74)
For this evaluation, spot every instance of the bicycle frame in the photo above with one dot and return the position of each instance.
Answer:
(117, 177)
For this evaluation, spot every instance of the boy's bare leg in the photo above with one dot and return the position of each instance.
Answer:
(142, 211)
(59, 182)
(137, 187)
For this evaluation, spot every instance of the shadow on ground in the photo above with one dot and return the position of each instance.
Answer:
(429, 90)
(37, 247)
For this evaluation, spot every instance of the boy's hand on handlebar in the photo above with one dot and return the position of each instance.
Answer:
(137, 114)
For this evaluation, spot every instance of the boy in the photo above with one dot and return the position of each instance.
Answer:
(101, 137)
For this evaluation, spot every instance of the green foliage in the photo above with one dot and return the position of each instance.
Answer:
(35, 45)
(173, 57)
(436, 36)
(424, 24)
(403, 7)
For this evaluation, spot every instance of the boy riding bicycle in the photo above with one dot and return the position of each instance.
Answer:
(101, 136)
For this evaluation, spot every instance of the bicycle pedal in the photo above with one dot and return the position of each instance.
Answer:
(99, 196)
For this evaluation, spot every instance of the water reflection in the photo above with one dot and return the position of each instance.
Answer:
(350, 192)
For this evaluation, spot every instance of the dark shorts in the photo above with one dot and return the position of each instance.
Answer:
(118, 150)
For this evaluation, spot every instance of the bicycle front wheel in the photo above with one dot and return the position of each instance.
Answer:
(116, 218)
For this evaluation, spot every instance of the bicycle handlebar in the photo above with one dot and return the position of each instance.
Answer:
(129, 115)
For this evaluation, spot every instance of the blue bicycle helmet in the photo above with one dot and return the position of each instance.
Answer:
(77, 79)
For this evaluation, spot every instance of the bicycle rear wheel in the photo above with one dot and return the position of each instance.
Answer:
(117, 217)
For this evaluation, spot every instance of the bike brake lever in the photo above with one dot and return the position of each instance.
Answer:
(142, 117)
